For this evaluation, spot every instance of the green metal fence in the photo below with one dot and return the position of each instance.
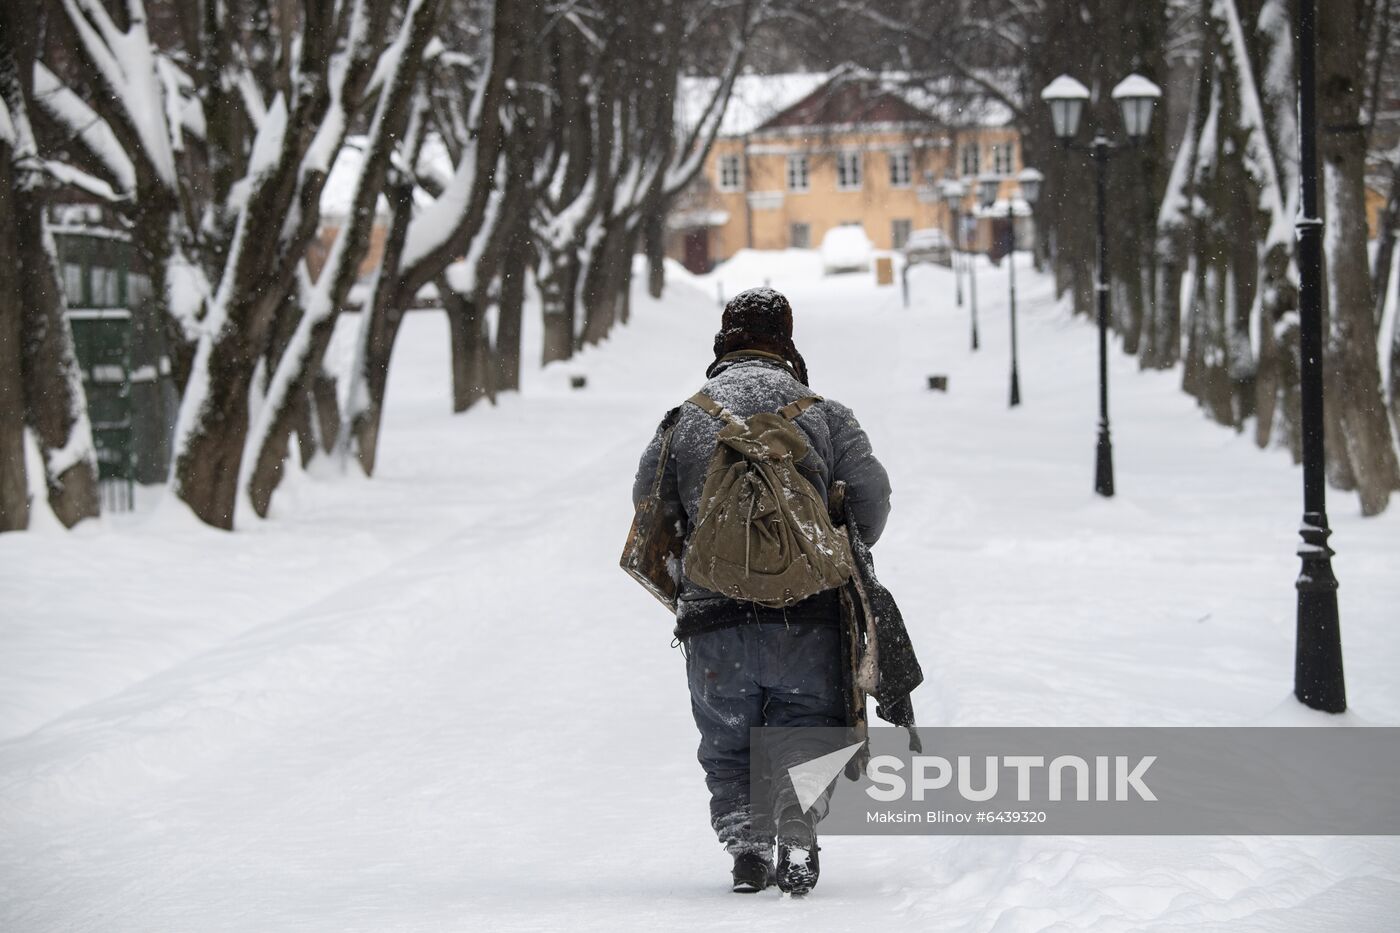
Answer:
(102, 339)
(121, 350)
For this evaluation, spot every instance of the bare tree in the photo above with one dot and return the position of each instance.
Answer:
(1360, 445)
(226, 202)
(209, 129)
(1239, 140)
(14, 483)
(461, 222)
(54, 404)
(273, 220)
(295, 369)
(1382, 121)
(641, 165)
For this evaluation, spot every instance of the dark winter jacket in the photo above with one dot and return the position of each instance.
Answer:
(840, 450)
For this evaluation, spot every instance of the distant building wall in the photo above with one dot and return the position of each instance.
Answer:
(764, 204)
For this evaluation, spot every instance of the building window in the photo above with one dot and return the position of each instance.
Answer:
(1004, 158)
(899, 233)
(901, 172)
(971, 159)
(800, 236)
(730, 173)
(799, 173)
(106, 287)
(138, 287)
(73, 289)
(848, 171)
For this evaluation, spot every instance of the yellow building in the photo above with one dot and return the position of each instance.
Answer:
(853, 148)
(1375, 205)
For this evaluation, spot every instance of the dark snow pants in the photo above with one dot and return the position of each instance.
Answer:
(759, 674)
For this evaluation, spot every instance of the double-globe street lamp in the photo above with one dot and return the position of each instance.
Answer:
(1135, 96)
(1028, 183)
(953, 194)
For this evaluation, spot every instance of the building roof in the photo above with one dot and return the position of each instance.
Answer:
(949, 102)
(843, 96)
(847, 100)
(754, 100)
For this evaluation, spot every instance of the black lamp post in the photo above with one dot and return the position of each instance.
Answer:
(1318, 681)
(1135, 96)
(1029, 183)
(953, 193)
(987, 188)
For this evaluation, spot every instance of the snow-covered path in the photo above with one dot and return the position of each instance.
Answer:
(431, 702)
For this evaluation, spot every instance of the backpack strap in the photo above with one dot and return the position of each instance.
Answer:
(668, 428)
(715, 409)
(706, 404)
(791, 410)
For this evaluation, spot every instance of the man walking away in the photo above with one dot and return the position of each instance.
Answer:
(763, 658)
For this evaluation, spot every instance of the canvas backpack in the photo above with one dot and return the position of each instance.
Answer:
(763, 534)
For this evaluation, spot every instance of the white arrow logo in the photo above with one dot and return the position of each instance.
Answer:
(811, 778)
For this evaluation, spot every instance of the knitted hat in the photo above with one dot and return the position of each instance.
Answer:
(759, 319)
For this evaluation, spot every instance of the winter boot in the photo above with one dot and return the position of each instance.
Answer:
(752, 872)
(797, 854)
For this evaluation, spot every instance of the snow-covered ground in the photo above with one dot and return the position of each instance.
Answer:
(431, 701)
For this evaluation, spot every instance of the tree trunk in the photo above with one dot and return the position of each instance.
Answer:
(304, 427)
(153, 232)
(14, 482)
(603, 284)
(208, 465)
(1395, 374)
(1207, 374)
(1276, 376)
(510, 312)
(1354, 391)
(1385, 247)
(54, 402)
(292, 417)
(364, 428)
(326, 406)
(473, 370)
(379, 328)
(1243, 367)
(555, 277)
(655, 236)
(1129, 281)
(624, 283)
(1162, 348)
(1290, 386)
